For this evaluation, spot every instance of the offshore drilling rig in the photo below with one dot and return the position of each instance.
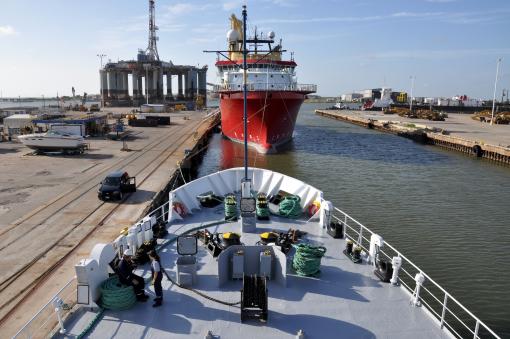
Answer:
(150, 76)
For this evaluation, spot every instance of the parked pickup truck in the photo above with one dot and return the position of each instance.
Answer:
(115, 185)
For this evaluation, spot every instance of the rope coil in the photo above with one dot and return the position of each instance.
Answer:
(230, 208)
(290, 207)
(307, 260)
(116, 296)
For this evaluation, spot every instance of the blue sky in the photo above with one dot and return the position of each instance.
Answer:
(451, 46)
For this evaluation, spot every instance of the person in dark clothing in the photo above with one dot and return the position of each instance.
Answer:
(127, 277)
(157, 276)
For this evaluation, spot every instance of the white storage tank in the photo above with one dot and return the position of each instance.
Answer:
(152, 108)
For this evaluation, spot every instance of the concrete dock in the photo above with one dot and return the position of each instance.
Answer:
(51, 216)
(458, 133)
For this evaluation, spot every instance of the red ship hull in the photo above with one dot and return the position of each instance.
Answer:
(271, 117)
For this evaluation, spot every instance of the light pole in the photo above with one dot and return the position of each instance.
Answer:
(495, 87)
(101, 56)
(147, 66)
(412, 77)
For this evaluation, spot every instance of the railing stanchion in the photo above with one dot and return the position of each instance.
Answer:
(444, 309)
(58, 303)
(477, 327)
(360, 237)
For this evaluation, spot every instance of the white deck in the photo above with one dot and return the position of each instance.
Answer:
(346, 301)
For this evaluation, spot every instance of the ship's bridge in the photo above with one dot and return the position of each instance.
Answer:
(263, 75)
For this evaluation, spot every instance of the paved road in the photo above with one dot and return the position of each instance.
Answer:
(72, 220)
(459, 125)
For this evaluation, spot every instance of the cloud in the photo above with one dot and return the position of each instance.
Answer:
(282, 3)
(180, 8)
(416, 14)
(7, 30)
(236, 4)
(437, 54)
(185, 8)
(230, 5)
(394, 16)
(440, 1)
(447, 17)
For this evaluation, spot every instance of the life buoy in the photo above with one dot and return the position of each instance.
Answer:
(314, 208)
(179, 209)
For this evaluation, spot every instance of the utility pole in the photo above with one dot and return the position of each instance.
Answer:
(412, 77)
(495, 87)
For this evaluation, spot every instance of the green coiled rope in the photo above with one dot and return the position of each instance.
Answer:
(307, 260)
(170, 241)
(230, 208)
(262, 208)
(116, 296)
(290, 207)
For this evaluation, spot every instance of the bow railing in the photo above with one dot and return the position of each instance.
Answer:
(447, 310)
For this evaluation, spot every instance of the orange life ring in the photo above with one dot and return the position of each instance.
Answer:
(179, 209)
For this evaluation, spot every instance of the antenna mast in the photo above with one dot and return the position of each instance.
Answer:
(152, 49)
(245, 117)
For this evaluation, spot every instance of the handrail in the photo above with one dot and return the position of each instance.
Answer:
(44, 307)
(358, 238)
(161, 214)
(266, 87)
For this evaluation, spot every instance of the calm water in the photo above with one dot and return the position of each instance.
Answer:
(41, 104)
(447, 212)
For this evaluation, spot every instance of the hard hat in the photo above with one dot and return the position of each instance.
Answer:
(128, 252)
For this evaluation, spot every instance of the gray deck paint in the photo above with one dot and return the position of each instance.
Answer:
(346, 301)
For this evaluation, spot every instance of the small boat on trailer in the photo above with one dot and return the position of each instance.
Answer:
(54, 141)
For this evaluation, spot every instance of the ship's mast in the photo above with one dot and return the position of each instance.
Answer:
(245, 93)
(152, 49)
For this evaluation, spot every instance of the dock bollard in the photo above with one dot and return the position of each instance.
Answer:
(396, 262)
(420, 279)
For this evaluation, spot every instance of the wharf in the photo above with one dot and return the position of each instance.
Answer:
(458, 133)
(51, 216)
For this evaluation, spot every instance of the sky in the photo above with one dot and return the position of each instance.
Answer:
(451, 47)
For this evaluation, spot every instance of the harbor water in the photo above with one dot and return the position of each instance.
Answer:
(447, 212)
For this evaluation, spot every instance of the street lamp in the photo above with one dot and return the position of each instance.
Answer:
(412, 77)
(495, 86)
(147, 66)
(101, 56)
